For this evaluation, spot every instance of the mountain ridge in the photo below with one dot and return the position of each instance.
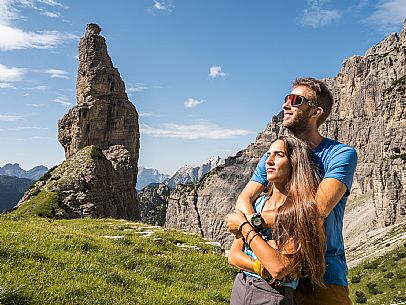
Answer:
(14, 169)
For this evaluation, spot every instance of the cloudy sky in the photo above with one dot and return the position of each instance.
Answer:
(206, 76)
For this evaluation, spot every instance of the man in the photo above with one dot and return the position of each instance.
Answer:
(305, 109)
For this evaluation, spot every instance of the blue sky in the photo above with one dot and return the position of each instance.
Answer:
(205, 76)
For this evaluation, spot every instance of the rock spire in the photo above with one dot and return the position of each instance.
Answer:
(100, 136)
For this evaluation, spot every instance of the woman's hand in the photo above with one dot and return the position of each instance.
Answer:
(234, 221)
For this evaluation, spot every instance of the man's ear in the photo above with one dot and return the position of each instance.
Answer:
(318, 112)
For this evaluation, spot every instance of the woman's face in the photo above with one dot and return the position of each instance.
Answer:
(278, 166)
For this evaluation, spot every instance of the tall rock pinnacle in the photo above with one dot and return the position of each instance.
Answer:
(100, 136)
(103, 115)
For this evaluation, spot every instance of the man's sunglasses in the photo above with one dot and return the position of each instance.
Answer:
(296, 100)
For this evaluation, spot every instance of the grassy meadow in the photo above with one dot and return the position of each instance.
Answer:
(106, 261)
(89, 261)
(381, 281)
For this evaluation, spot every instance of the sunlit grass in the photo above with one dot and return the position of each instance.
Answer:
(380, 281)
(106, 261)
(89, 261)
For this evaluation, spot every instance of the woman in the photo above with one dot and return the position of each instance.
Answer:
(273, 259)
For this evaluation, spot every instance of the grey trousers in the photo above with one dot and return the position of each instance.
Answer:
(249, 290)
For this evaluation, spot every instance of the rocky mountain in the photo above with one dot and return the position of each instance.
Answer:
(100, 136)
(369, 114)
(193, 173)
(146, 176)
(15, 170)
(11, 190)
(153, 203)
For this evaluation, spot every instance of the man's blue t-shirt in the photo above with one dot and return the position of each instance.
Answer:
(335, 160)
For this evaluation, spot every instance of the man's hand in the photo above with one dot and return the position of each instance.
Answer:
(234, 221)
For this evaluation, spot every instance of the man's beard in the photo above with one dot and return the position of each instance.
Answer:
(299, 123)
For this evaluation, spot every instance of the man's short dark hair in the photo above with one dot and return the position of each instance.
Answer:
(323, 96)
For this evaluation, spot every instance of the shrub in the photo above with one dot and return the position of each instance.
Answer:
(360, 297)
(356, 278)
(372, 288)
(371, 265)
(96, 152)
(388, 275)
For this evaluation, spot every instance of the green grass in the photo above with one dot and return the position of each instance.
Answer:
(380, 281)
(44, 204)
(44, 261)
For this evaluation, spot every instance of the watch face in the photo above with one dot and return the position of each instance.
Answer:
(256, 220)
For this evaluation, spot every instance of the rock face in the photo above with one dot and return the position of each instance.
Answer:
(369, 114)
(153, 203)
(101, 185)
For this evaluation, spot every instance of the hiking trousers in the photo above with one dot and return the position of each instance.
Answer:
(249, 290)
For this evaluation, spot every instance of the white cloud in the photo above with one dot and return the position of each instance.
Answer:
(138, 87)
(11, 74)
(191, 102)
(53, 3)
(12, 37)
(159, 5)
(316, 16)
(36, 105)
(39, 88)
(7, 11)
(162, 6)
(388, 15)
(51, 14)
(150, 114)
(7, 86)
(9, 117)
(201, 130)
(215, 71)
(55, 73)
(18, 128)
(63, 100)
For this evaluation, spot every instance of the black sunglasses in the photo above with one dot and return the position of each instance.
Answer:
(296, 100)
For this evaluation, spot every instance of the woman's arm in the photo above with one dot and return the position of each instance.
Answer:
(237, 258)
(276, 262)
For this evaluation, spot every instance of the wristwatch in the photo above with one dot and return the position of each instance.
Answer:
(257, 220)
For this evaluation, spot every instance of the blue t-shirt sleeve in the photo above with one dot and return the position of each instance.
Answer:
(259, 174)
(342, 167)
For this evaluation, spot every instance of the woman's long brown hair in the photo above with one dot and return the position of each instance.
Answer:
(298, 219)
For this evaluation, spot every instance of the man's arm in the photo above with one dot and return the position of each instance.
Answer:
(248, 195)
(329, 193)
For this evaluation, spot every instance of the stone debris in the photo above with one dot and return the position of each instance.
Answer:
(186, 247)
(113, 236)
(145, 233)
